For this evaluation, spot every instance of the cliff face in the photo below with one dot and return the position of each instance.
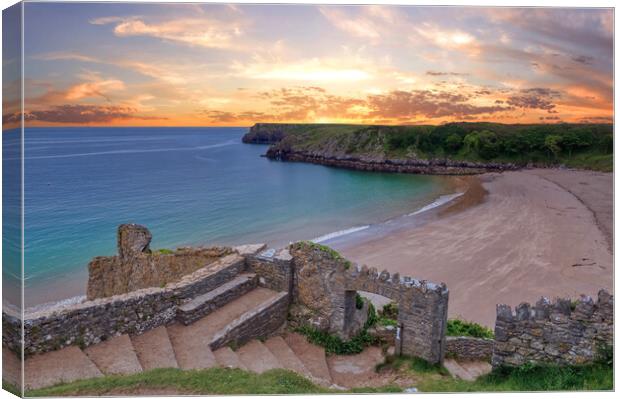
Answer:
(136, 266)
(266, 133)
(354, 147)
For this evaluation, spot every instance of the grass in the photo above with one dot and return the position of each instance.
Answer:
(460, 328)
(215, 381)
(428, 377)
(7, 386)
(530, 378)
(164, 251)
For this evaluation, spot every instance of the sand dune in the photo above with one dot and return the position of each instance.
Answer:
(529, 238)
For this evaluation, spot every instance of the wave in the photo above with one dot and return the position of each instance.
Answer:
(444, 199)
(137, 151)
(339, 233)
(47, 306)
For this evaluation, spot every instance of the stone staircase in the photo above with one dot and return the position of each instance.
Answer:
(204, 334)
(175, 347)
(201, 337)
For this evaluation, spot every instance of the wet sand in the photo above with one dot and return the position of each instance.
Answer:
(513, 237)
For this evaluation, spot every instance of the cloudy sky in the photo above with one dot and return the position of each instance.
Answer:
(187, 64)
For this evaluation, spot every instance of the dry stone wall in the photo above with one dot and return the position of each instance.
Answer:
(560, 332)
(136, 266)
(92, 321)
(469, 348)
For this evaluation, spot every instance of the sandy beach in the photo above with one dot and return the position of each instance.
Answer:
(533, 233)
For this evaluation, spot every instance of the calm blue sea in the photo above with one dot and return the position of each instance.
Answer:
(189, 186)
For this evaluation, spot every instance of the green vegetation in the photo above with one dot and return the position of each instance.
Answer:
(336, 345)
(335, 255)
(7, 386)
(164, 251)
(428, 377)
(411, 363)
(215, 381)
(388, 315)
(460, 328)
(588, 146)
(359, 301)
(530, 378)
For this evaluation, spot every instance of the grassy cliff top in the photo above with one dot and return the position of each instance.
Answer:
(588, 146)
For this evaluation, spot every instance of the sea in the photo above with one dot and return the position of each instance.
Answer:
(189, 186)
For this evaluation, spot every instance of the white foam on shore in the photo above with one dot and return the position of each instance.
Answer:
(442, 200)
(339, 233)
(47, 306)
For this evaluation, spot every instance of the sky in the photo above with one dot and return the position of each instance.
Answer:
(111, 64)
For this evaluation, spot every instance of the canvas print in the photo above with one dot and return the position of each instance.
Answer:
(226, 199)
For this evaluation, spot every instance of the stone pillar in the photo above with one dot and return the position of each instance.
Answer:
(132, 240)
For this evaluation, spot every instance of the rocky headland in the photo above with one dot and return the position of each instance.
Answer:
(354, 147)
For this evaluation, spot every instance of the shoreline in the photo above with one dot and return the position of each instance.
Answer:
(526, 238)
(418, 216)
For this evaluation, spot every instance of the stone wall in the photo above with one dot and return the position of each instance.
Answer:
(422, 309)
(92, 321)
(136, 266)
(560, 332)
(323, 281)
(262, 322)
(274, 269)
(469, 348)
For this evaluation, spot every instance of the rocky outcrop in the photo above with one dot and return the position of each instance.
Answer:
(363, 150)
(417, 166)
(266, 133)
(137, 267)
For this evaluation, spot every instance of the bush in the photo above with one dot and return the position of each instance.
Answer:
(359, 301)
(458, 328)
(390, 311)
(336, 345)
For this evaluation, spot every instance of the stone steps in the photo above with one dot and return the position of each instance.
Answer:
(468, 370)
(286, 356)
(204, 304)
(115, 356)
(154, 349)
(227, 358)
(191, 350)
(257, 358)
(64, 365)
(312, 356)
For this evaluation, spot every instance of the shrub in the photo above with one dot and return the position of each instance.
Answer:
(458, 328)
(336, 345)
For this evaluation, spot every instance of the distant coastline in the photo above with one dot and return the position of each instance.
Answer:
(450, 149)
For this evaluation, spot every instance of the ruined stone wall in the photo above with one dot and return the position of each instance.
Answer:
(469, 348)
(92, 321)
(560, 332)
(324, 287)
(422, 309)
(136, 267)
(274, 269)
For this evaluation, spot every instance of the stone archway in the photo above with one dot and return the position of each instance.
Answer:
(324, 287)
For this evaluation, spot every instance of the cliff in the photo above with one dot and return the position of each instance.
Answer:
(454, 148)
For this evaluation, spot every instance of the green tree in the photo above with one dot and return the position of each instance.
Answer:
(471, 142)
(453, 142)
(488, 146)
(552, 145)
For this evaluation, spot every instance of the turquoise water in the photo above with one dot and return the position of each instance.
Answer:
(189, 186)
